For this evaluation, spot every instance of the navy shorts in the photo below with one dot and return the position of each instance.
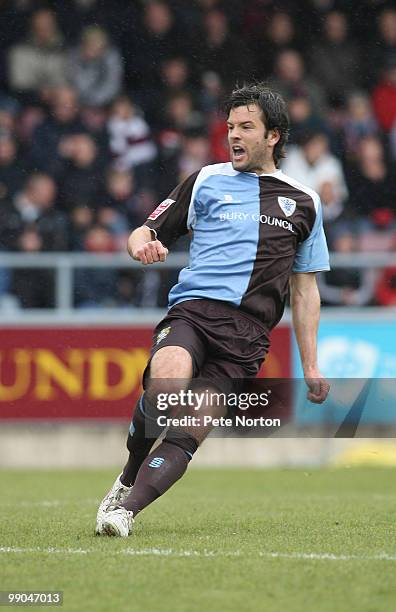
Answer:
(223, 341)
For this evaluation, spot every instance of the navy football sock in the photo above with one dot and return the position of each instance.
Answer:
(139, 443)
(160, 470)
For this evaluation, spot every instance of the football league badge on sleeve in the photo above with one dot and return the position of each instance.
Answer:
(163, 333)
(161, 208)
(287, 205)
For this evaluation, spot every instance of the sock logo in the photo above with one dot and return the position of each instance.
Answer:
(156, 462)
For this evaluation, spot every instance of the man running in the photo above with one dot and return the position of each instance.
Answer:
(255, 233)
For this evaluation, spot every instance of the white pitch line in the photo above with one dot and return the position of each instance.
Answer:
(328, 556)
(50, 503)
(169, 552)
(92, 501)
(160, 552)
(58, 551)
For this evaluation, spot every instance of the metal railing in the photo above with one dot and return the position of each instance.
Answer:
(65, 264)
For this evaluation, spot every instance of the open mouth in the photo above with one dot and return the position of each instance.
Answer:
(238, 152)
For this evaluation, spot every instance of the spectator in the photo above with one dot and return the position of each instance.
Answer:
(314, 165)
(51, 139)
(123, 197)
(383, 49)
(335, 59)
(126, 289)
(290, 80)
(385, 292)
(186, 55)
(180, 116)
(28, 121)
(279, 34)
(4, 287)
(94, 120)
(304, 119)
(11, 175)
(392, 142)
(96, 287)
(12, 169)
(175, 75)
(387, 38)
(74, 15)
(359, 123)
(181, 113)
(116, 224)
(222, 52)
(131, 144)
(38, 62)
(33, 288)
(211, 94)
(82, 177)
(9, 109)
(95, 68)
(194, 154)
(31, 224)
(218, 132)
(372, 186)
(81, 220)
(384, 97)
(35, 207)
(14, 16)
(347, 286)
(210, 101)
(159, 37)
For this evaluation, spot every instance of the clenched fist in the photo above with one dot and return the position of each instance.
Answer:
(318, 388)
(150, 252)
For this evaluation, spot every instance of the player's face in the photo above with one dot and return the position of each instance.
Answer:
(251, 144)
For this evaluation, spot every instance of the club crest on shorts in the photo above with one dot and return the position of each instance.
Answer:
(163, 333)
(287, 205)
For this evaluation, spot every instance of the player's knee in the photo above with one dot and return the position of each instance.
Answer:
(170, 371)
(183, 440)
(163, 395)
(171, 362)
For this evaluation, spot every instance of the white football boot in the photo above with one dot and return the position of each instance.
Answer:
(117, 522)
(117, 494)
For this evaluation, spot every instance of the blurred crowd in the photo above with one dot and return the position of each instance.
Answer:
(106, 106)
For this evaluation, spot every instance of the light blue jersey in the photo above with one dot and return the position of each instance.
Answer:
(249, 233)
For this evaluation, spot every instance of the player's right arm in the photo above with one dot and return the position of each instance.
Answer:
(149, 243)
(142, 247)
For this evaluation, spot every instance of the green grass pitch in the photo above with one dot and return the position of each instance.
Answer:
(220, 540)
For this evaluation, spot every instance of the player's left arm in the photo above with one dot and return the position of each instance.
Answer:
(305, 306)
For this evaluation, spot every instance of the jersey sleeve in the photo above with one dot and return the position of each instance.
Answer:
(312, 254)
(169, 219)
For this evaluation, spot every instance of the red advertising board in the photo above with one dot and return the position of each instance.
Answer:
(87, 373)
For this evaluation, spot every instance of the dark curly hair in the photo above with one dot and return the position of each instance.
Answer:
(273, 107)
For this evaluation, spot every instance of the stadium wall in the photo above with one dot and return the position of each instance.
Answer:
(75, 373)
(67, 391)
